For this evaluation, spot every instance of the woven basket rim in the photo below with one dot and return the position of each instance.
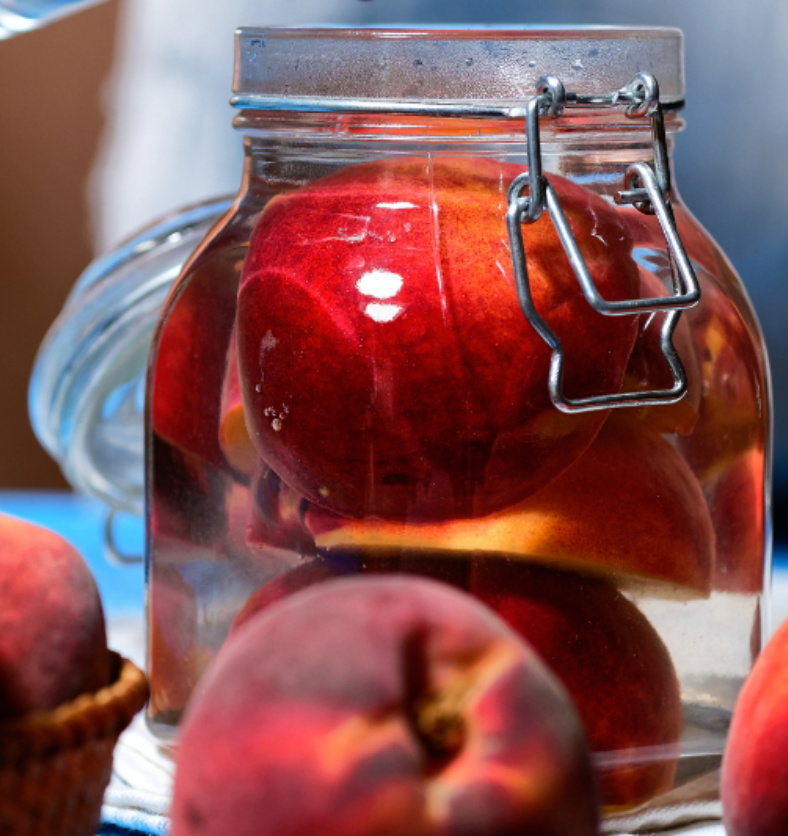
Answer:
(102, 714)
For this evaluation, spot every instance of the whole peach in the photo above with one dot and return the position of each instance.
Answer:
(386, 367)
(755, 766)
(53, 644)
(384, 706)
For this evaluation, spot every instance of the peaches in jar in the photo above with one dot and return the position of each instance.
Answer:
(386, 367)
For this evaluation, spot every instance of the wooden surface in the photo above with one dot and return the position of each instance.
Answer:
(50, 122)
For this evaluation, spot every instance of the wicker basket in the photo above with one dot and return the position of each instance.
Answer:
(55, 765)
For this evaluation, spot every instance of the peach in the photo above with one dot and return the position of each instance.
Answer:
(737, 511)
(187, 372)
(53, 644)
(629, 507)
(755, 767)
(610, 659)
(175, 661)
(233, 435)
(648, 369)
(277, 514)
(603, 649)
(387, 706)
(386, 367)
(733, 393)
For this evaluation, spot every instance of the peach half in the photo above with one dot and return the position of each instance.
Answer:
(233, 434)
(611, 660)
(386, 366)
(630, 507)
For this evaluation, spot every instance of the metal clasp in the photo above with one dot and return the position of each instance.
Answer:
(648, 189)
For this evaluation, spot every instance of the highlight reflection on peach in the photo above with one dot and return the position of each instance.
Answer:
(387, 369)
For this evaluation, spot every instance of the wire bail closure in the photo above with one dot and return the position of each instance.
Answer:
(648, 190)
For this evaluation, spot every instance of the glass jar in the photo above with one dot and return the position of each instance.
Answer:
(86, 395)
(359, 371)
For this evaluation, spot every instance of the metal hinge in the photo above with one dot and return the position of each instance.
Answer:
(647, 188)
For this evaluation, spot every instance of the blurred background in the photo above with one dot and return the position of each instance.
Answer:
(118, 114)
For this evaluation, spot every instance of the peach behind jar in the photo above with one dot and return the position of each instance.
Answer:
(343, 381)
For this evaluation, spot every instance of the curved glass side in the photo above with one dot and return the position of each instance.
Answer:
(86, 394)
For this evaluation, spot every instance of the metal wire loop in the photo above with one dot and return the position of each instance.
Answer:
(646, 188)
(113, 554)
(553, 96)
(643, 92)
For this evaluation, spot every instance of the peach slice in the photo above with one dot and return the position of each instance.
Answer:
(733, 391)
(629, 507)
(233, 434)
(188, 367)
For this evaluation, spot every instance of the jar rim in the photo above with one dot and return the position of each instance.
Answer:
(317, 68)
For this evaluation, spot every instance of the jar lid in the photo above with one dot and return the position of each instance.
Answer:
(87, 391)
(357, 69)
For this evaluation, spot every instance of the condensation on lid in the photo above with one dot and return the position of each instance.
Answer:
(292, 67)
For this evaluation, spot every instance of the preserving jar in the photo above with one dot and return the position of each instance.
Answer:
(459, 323)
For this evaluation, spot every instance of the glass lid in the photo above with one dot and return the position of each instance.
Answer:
(87, 390)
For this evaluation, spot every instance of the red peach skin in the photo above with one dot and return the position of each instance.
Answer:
(382, 706)
(755, 766)
(386, 367)
(233, 435)
(610, 659)
(737, 511)
(648, 369)
(733, 391)
(188, 370)
(53, 645)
